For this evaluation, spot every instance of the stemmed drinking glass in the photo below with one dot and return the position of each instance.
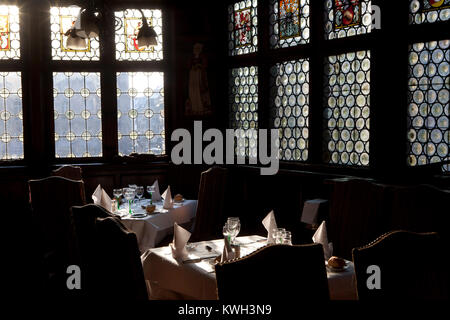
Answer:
(234, 227)
(277, 235)
(133, 186)
(139, 192)
(150, 190)
(117, 193)
(226, 232)
(287, 238)
(129, 194)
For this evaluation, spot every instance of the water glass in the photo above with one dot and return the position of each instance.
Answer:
(287, 238)
(279, 235)
(139, 192)
(234, 227)
(150, 190)
(117, 193)
(129, 194)
(133, 186)
(226, 231)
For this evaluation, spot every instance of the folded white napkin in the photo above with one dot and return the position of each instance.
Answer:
(180, 238)
(320, 236)
(156, 196)
(100, 197)
(269, 223)
(168, 204)
(228, 253)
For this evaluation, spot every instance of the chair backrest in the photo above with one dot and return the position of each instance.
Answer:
(356, 215)
(410, 267)
(69, 172)
(211, 197)
(110, 258)
(51, 199)
(84, 220)
(117, 267)
(275, 272)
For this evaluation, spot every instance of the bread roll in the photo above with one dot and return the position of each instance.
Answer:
(150, 208)
(178, 198)
(336, 262)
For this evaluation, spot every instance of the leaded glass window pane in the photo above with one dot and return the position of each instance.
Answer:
(290, 107)
(347, 109)
(429, 11)
(289, 21)
(243, 27)
(347, 18)
(11, 128)
(9, 33)
(244, 109)
(140, 103)
(428, 108)
(129, 24)
(77, 114)
(61, 20)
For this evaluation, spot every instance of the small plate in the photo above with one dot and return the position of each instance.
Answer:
(138, 215)
(180, 201)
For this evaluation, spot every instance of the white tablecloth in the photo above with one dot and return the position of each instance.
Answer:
(168, 279)
(151, 229)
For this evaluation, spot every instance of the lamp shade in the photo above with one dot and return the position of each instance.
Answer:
(74, 42)
(147, 36)
(86, 25)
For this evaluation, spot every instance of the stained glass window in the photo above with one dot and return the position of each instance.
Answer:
(289, 21)
(348, 18)
(129, 23)
(77, 114)
(290, 109)
(61, 20)
(429, 11)
(347, 109)
(428, 109)
(9, 33)
(140, 103)
(242, 27)
(11, 128)
(244, 108)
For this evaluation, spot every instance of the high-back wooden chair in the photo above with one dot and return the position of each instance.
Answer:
(69, 172)
(275, 272)
(84, 220)
(211, 197)
(51, 199)
(109, 253)
(410, 267)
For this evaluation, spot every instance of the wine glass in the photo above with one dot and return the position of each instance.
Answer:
(117, 193)
(234, 226)
(236, 230)
(133, 186)
(139, 192)
(226, 231)
(150, 190)
(279, 235)
(129, 194)
(287, 238)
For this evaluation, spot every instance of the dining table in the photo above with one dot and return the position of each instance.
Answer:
(151, 228)
(168, 278)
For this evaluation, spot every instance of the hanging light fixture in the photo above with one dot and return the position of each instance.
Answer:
(147, 36)
(74, 42)
(86, 25)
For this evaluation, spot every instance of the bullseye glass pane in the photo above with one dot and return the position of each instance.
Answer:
(77, 114)
(140, 104)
